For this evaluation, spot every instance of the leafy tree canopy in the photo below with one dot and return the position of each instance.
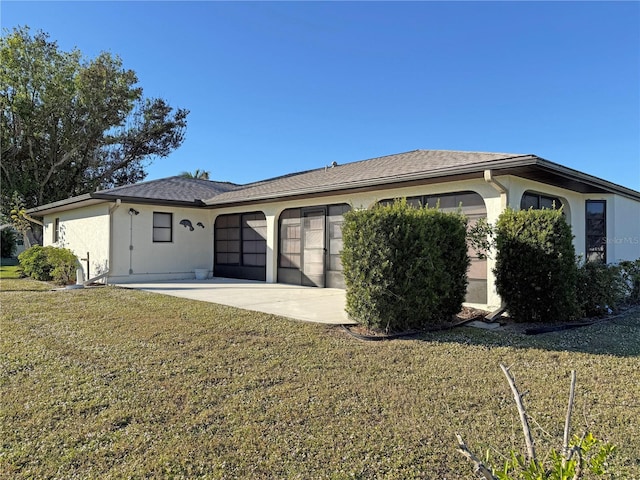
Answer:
(71, 125)
(197, 173)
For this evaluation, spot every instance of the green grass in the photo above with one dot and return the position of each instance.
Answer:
(9, 272)
(113, 383)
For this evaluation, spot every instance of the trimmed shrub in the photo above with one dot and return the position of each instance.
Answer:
(8, 242)
(404, 268)
(601, 288)
(536, 270)
(34, 263)
(630, 271)
(49, 264)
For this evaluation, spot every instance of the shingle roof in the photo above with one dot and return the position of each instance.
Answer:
(417, 165)
(391, 168)
(172, 189)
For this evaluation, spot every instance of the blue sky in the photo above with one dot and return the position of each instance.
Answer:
(278, 87)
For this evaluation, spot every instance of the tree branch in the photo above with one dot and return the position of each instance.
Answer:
(478, 466)
(531, 452)
(567, 421)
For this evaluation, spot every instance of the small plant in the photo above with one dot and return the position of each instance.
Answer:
(580, 455)
(49, 264)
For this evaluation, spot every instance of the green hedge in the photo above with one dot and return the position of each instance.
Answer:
(536, 271)
(603, 288)
(49, 264)
(404, 268)
(630, 271)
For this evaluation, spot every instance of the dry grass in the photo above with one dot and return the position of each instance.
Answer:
(112, 383)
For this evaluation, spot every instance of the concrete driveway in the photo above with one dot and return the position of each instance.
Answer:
(321, 305)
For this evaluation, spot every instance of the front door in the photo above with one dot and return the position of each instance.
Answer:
(313, 247)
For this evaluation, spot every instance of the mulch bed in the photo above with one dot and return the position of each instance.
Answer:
(467, 315)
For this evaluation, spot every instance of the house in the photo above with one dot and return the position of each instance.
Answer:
(288, 229)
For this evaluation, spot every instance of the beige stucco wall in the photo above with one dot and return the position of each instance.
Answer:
(623, 229)
(82, 230)
(136, 257)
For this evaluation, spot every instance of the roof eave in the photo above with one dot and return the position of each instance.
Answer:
(150, 201)
(84, 200)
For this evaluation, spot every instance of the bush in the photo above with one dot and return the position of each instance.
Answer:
(630, 271)
(8, 242)
(404, 268)
(535, 269)
(49, 264)
(601, 288)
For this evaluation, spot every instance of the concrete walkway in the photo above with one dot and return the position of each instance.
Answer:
(321, 305)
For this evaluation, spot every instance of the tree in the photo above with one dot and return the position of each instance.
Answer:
(70, 125)
(197, 173)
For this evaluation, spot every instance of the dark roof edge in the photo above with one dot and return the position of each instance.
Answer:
(148, 201)
(87, 197)
(60, 203)
(588, 179)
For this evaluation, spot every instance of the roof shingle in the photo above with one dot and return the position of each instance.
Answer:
(175, 189)
(364, 172)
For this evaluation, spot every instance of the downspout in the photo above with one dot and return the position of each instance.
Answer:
(111, 210)
(504, 202)
(504, 193)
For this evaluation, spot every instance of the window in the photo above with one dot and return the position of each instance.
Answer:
(335, 221)
(241, 240)
(471, 202)
(538, 201)
(162, 227)
(596, 230)
(290, 238)
(254, 239)
(56, 230)
(227, 234)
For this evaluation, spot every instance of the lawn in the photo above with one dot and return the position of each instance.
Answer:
(9, 272)
(113, 383)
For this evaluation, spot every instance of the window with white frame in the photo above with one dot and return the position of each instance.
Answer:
(162, 227)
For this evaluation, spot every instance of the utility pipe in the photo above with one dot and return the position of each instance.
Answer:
(112, 209)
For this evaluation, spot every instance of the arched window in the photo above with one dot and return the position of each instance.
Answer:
(538, 201)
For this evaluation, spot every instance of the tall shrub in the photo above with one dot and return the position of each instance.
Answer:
(535, 269)
(404, 268)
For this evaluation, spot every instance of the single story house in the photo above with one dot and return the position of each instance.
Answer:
(288, 229)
